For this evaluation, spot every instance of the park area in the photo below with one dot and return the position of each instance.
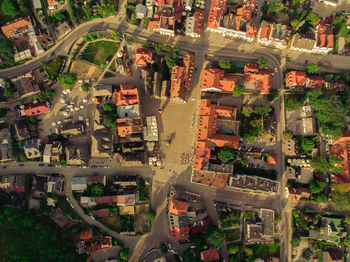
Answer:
(99, 52)
(53, 67)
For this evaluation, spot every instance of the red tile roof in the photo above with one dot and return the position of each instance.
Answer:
(208, 117)
(198, 21)
(106, 200)
(15, 27)
(178, 207)
(210, 255)
(36, 109)
(181, 77)
(295, 78)
(126, 95)
(143, 57)
(52, 2)
(263, 78)
(85, 235)
(95, 179)
(324, 36)
(314, 81)
(215, 79)
(272, 159)
(216, 10)
(341, 148)
(180, 233)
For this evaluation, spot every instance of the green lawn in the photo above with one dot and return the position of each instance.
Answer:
(99, 52)
(232, 234)
(266, 250)
(53, 67)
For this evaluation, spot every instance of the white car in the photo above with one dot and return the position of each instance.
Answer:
(82, 106)
(53, 123)
(87, 122)
(59, 122)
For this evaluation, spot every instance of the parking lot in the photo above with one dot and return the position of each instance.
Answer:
(68, 107)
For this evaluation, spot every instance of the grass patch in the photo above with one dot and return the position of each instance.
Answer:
(142, 225)
(113, 66)
(99, 52)
(265, 251)
(53, 67)
(143, 190)
(232, 234)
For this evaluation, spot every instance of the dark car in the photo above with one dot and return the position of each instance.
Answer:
(21, 165)
(41, 164)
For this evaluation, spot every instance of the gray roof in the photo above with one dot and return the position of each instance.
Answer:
(79, 180)
(178, 221)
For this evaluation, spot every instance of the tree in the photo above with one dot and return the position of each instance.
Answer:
(6, 52)
(347, 220)
(170, 61)
(32, 121)
(150, 215)
(67, 80)
(344, 96)
(248, 251)
(97, 189)
(317, 185)
(293, 101)
(109, 107)
(287, 135)
(312, 18)
(3, 112)
(238, 91)
(247, 111)
(263, 110)
(226, 154)
(233, 249)
(129, 40)
(163, 248)
(338, 19)
(92, 37)
(123, 254)
(10, 8)
(114, 35)
(312, 68)
(106, 8)
(295, 242)
(85, 87)
(86, 38)
(275, 6)
(274, 94)
(346, 240)
(109, 121)
(262, 62)
(294, 23)
(305, 144)
(216, 237)
(224, 64)
(320, 164)
(307, 253)
(87, 11)
(8, 91)
(99, 35)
